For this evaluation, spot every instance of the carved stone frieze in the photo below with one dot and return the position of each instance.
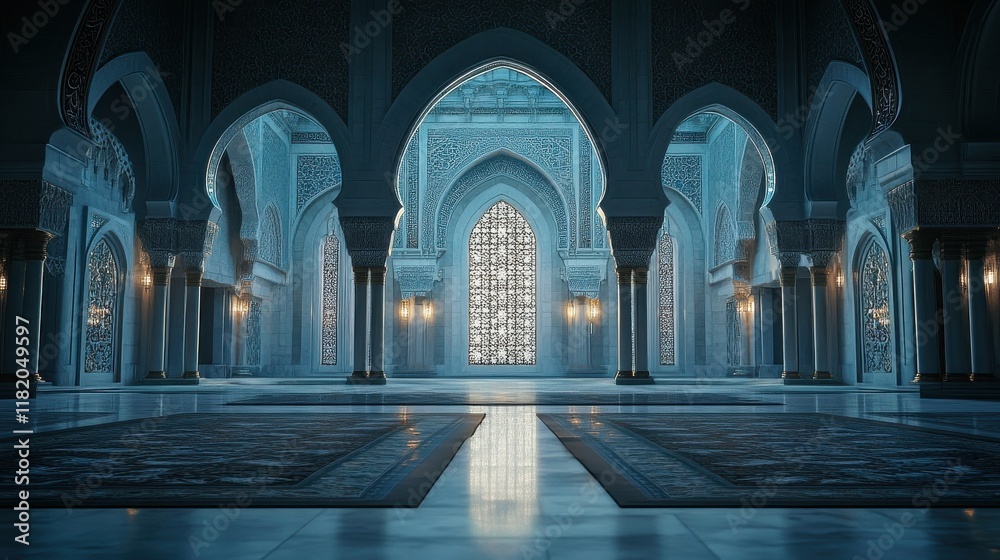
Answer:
(633, 239)
(367, 239)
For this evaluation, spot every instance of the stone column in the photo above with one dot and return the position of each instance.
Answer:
(640, 279)
(579, 337)
(979, 313)
(416, 335)
(377, 325)
(958, 366)
(928, 329)
(192, 322)
(789, 323)
(821, 352)
(625, 346)
(161, 265)
(35, 244)
(360, 323)
(15, 299)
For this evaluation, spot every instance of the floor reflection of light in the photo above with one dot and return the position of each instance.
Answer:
(503, 478)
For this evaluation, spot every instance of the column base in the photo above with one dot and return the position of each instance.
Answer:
(988, 377)
(958, 377)
(927, 378)
(822, 375)
(156, 375)
(367, 378)
(634, 378)
(191, 375)
(790, 375)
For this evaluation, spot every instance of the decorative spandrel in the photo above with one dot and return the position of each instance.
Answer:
(876, 316)
(102, 310)
(666, 266)
(502, 289)
(330, 282)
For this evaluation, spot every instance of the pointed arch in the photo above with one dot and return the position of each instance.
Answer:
(481, 53)
(875, 314)
(105, 294)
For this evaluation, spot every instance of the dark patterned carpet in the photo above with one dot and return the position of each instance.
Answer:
(977, 421)
(502, 399)
(268, 460)
(779, 460)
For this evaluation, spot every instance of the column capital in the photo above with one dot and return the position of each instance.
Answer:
(378, 274)
(35, 244)
(789, 275)
(361, 275)
(624, 275)
(193, 277)
(161, 275)
(820, 276)
(640, 276)
(921, 244)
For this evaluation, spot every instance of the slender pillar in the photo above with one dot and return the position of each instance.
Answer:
(35, 244)
(360, 323)
(958, 366)
(640, 280)
(979, 313)
(15, 299)
(625, 346)
(192, 322)
(928, 327)
(415, 334)
(158, 321)
(821, 352)
(378, 324)
(789, 322)
(579, 337)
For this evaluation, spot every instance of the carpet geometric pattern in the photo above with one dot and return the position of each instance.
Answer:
(268, 460)
(779, 460)
(501, 399)
(979, 421)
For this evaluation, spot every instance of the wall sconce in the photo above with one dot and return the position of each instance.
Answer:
(404, 309)
(147, 279)
(594, 309)
(571, 310)
(745, 305)
(840, 280)
(241, 306)
(963, 280)
(3, 284)
(991, 277)
(428, 309)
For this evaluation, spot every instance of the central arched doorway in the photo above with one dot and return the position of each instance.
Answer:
(500, 244)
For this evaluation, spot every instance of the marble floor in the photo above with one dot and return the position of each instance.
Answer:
(512, 491)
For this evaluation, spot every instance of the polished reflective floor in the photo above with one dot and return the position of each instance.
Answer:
(513, 490)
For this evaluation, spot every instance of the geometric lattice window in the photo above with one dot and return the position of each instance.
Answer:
(331, 272)
(502, 305)
(667, 267)
(102, 310)
(876, 328)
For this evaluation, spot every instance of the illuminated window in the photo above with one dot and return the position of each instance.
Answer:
(502, 261)
(102, 308)
(875, 315)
